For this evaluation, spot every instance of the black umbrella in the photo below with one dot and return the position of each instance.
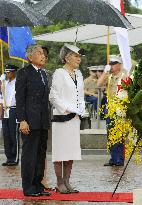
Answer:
(84, 11)
(14, 13)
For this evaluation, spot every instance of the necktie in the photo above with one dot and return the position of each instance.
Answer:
(42, 78)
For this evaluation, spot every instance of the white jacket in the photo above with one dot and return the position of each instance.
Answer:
(64, 95)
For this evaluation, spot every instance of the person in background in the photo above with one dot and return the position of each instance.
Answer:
(8, 104)
(33, 114)
(100, 70)
(90, 87)
(113, 73)
(67, 97)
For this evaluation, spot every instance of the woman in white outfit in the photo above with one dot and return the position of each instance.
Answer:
(67, 97)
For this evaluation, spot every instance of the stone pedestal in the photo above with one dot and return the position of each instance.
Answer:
(93, 139)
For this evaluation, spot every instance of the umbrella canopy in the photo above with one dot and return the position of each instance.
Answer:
(84, 11)
(96, 34)
(14, 13)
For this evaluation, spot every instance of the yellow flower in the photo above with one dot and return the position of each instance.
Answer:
(122, 129)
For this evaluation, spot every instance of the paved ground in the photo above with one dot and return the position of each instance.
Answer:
(88, 175)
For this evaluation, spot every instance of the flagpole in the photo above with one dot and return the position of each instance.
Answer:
(108, 55)
(2, 66)
(108, 45)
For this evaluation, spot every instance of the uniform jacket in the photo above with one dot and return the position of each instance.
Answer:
(32, 98)
(91, 85)
(114, 81)
(64, 94)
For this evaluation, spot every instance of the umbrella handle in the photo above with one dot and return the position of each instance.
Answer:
(76, 33)
(108, 45)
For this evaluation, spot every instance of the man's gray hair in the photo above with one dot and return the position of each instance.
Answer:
(64, 52)
(31, 49)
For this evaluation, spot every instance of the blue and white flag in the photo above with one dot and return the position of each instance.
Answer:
(19, 39)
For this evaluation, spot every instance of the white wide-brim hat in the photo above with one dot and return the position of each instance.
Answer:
(75, 49)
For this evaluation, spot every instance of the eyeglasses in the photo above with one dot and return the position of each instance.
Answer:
(100, 71)
(94, 71)
(114, 63)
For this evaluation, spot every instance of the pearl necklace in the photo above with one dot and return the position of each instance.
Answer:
(70, 73)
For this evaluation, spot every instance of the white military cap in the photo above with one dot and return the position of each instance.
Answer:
(114, 59)
(97, 68)
(10, 68)
(74, 49)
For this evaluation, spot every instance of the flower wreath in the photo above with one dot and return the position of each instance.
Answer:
(125, 110)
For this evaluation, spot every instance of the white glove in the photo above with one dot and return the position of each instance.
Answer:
(73, 110)
(2, 77)
(81, 110)
(107, 68)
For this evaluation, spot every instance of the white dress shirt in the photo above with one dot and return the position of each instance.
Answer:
(39, 69)
(9, 93)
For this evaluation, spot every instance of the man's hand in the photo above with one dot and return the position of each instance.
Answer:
(24, 127)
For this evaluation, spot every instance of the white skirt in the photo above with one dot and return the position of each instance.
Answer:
(66, 140)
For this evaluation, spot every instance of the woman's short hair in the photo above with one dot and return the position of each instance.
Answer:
(64, 52)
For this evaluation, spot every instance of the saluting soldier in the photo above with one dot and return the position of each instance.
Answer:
(114, 73)
(8, 103)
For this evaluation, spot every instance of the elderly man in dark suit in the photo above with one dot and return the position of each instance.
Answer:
(32, 113)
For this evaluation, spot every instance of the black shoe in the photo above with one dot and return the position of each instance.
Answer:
(10, 164)
(4, 164)
(44, 193)
(32, 194)
(121, 165)
(108, 164)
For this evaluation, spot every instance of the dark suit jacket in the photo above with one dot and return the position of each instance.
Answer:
(32, 98)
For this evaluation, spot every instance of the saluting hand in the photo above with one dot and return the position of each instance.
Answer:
(24, 127)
